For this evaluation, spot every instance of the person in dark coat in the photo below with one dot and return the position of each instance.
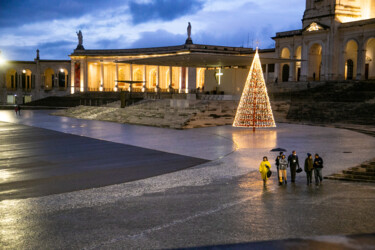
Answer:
(293, 164)
(318, 165)
(309, 166)
(19, 110)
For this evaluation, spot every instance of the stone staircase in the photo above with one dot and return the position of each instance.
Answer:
(362, 173)
(347, 102)
(160, 113)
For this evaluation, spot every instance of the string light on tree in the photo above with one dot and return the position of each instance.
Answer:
(254, 109)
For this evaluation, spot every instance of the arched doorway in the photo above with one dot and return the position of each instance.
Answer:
(285, 73)
(298, 56)
(349, 69)
(200, 78)
(49, 79)
(285, 54)
(138, 76)
(11, 79)
(315, 61)
(26, 79)
(370, 57)
(63, 78)
(351, 53)
(152, 79)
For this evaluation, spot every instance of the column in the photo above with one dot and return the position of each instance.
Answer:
(72, 73)
(292, 66)
(277, 67)
(86, 78)
(116, 77)
(292, 72)
(266, 76)
(158, 79)
(144, 78)
(131, 78)
(81, 76)
(191, 80)
(304, 62)
(101, 75)
(361, 62)
(170, 79)
(341, 70)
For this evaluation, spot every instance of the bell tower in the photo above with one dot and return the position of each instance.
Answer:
(341, 11)
(321, 11)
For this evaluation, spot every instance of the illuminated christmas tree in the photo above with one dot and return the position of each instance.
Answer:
(254, 109)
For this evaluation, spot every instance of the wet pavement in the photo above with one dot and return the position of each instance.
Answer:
(220, 202)
(37, 162)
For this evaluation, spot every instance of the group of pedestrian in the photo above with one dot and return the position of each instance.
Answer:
(282, 163)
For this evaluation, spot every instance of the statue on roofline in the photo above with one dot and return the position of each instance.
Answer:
(188, 40)
(80, 37)
(80, 40)
(189, 31)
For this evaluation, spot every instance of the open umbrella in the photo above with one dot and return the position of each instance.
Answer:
(278, 150)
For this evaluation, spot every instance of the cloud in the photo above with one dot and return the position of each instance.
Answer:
(166, 10)
(18, 12)
(159, 38)
(120, 24)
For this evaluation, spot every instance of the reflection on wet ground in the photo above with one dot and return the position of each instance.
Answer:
(216, 203)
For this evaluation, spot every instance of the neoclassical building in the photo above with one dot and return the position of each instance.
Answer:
(24, 81)
(336, 42)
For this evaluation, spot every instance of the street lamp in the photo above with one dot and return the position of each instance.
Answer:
(2, 59)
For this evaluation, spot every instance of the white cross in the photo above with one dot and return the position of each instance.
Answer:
(219, 75)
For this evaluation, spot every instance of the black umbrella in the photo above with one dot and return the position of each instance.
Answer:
(278, 150)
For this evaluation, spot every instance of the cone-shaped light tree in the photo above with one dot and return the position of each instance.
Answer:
(254, 109)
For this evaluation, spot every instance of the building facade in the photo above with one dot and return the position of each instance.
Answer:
(25, 81)
(108, 70)
(336, 42)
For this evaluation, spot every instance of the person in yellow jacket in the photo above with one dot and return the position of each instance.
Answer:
(265, 165)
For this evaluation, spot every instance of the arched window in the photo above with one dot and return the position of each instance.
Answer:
(63, 78)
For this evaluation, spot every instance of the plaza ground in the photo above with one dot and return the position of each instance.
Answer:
(213, 203)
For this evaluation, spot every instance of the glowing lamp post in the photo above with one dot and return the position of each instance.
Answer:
(254, 109)
(2, 59)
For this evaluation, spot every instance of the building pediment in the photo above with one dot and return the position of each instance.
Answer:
(315, 26)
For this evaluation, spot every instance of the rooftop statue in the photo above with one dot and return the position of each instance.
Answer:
(80, 37)
(189, 31)
(80, 40)
(188, 40)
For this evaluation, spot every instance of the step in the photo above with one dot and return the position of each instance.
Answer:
(353, 172)
(355, 176)
(342, 178)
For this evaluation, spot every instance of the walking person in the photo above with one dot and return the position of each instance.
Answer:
(19, 110)
(264, 167)
(282, 172)
(277, 162)
(318, 165)
(309, 166)
(293, 164)
(16, 109)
